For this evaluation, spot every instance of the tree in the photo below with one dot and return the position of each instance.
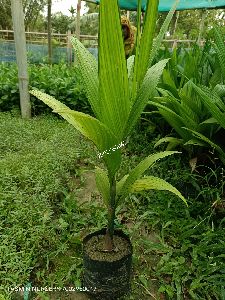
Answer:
(31, 9)
(92, 8)
(5, 14)
(189, 22)
(60, 22)
(72, 11)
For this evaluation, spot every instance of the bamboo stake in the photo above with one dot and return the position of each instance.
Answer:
(78, 20)
(49, 31)
(201, 26)
(21, 57)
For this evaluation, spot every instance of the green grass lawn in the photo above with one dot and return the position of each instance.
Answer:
(178, 251)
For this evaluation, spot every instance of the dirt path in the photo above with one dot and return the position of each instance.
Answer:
(89, 188)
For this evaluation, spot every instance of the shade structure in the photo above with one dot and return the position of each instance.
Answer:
(165, 5)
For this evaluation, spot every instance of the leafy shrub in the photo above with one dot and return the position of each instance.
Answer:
(60, 81)
(180, 249)
(192, 98)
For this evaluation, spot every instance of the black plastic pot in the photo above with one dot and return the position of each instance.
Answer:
(104, 279)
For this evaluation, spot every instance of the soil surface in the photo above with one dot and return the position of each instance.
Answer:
(89, 189)
(95, 248)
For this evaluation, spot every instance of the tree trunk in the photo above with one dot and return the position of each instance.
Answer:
(50, 31)
(21, 57)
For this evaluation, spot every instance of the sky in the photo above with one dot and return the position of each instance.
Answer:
(64, 6)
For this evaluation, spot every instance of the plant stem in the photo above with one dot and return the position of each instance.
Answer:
(111, 216)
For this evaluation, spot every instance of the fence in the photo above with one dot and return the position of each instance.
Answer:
(37, 48)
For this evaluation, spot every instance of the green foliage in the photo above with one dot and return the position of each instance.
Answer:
(116, 107)
(40, 217)
(180, 249)
(60, 81)
(60, 22)
(194, 111)
(177, 252)
(32, 11)
(189, 22)
(220, 50)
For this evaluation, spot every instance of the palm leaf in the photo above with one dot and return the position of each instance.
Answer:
(143, 51)
(158, 41)
(89, 71)
(213, 102)
(90, 127)
(220, 49)
(119, 185)
(208, 141)
(175, 120)
(173, 142)
(219, 89)
(102, 182)
(196, 142)
(113, 79)
(145, 92)
(155, 183)
(139, 170)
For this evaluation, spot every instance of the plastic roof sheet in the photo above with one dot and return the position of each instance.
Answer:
(165, 5)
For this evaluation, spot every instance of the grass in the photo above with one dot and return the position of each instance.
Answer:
(178, 251)
(40, 217)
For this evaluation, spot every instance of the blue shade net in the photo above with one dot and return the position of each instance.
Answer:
(165, 5)
(38, 53)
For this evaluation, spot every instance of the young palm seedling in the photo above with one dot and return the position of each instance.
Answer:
(117, 92)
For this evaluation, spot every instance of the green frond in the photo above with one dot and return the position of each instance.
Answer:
(88, 67)
(213, 102)
(175, 120)
(155, 183)
(220, 49)
(139, 170)
(219, 89)
(90, 127)
(143, 49)
(173, 142)
(195, 142)
(113, 79)
(102, 182)
(158, 41)
(209, 142)
(145, 92)
(119, 185)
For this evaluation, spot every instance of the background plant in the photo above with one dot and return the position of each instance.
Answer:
(194, 110)
(59, 80)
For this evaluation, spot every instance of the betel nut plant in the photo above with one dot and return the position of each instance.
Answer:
(118, 91)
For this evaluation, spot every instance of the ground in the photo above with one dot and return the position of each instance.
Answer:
(49, 202)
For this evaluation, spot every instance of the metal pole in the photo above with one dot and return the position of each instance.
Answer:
(21, 57)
